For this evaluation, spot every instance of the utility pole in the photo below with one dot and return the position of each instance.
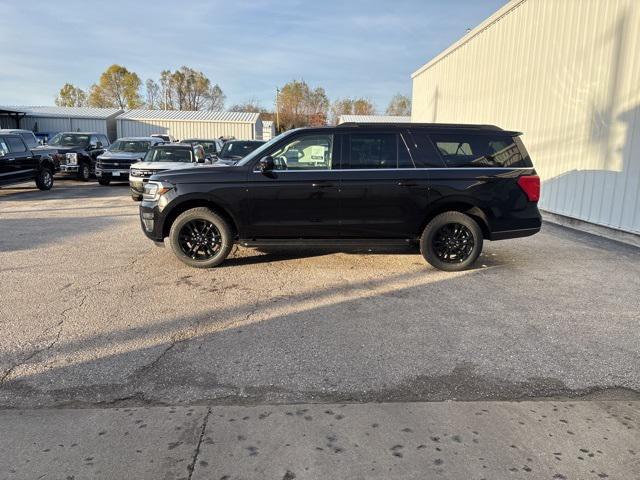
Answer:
(277, 110)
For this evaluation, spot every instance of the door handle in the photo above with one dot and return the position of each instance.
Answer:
(322, 185)
(407, 183)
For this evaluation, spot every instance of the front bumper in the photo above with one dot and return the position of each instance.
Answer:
(150, 220)
(116, 175)
(68, 168)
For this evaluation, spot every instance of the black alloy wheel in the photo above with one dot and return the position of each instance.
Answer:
(453, 243)
(199, 239)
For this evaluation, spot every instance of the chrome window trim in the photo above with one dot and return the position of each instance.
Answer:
(396, 169)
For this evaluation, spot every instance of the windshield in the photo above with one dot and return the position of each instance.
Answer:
(132, 146)
(238, 149)
(208, 145)
(70, 140)
(169, 155)
(265, 146)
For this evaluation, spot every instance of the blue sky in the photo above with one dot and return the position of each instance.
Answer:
(351, 48)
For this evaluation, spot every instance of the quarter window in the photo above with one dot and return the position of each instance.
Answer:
(482, 150)
(307, 152)
(377, 150)
(16, 144)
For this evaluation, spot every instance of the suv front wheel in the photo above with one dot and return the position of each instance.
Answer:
(201, 238)
(44, 179)
(451, 241)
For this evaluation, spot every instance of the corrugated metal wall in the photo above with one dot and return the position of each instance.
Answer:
(57, 124)
(187, 129)
(567, 73)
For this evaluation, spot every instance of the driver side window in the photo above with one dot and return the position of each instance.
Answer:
(3, 148)
(307, 152)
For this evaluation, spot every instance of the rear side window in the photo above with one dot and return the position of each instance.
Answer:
(4, 149)
(480, 150)
(375, 151)
(16, 145)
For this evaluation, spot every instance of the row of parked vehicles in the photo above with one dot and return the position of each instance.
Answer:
(132, 159)
(443, 188)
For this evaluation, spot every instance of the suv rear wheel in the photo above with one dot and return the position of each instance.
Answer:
(44, 179)
(451, 241)
(201, 238)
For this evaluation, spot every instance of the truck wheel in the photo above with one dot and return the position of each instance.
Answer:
(451, 241)
(136, 198)
(44, 179)
(201, 238)
(84, 172)
(104, 181)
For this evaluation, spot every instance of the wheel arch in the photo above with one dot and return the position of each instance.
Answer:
(462, 206)
(196, 202)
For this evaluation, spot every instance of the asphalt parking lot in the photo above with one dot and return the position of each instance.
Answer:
(93, 314)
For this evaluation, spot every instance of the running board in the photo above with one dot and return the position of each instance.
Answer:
(327, 242)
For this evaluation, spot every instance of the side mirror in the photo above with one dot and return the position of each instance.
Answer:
(99, 145)
(266, 164)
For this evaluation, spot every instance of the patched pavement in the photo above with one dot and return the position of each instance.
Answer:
(94, 315)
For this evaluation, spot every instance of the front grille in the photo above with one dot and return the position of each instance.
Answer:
(141, 173)
(115, 164)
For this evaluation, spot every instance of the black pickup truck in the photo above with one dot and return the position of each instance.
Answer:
(76, 152)
(19, 164)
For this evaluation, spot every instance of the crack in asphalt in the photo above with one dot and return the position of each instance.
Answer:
(37, 351)
(191, 467)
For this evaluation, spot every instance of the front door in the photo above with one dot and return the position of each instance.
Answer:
(300, 197)
(383, 194)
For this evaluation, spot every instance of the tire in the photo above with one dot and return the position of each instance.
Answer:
(84, 172)
(198, 220)
(451, 241)
(136, 198)
(104, 181)
(44, 179)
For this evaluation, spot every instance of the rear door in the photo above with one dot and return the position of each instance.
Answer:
(24, 165)
(300, 197)
(383, 195)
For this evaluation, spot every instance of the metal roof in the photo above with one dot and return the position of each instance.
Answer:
(66, 112)
(191, 115)
(373, 119)
(5, 109)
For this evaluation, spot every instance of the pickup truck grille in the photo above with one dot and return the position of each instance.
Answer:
(115, 164)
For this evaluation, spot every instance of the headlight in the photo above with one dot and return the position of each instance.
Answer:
(72, 158)
(154, 190)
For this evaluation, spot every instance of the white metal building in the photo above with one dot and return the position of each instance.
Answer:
(71, 119)
(373, 119)
(268, 130)
(567, 74)
(183, 124)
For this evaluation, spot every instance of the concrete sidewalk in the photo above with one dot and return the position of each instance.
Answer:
(449, 440)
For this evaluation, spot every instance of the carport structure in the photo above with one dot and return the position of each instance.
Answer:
(10, 117)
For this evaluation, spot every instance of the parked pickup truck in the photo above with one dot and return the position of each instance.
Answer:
(18, 163)
(77, 152)
(113, 165)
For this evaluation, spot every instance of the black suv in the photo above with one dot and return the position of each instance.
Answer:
(18, 163)
(444, 188)
(77, 152)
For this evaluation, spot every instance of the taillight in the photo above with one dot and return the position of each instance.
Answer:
(530, 185)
